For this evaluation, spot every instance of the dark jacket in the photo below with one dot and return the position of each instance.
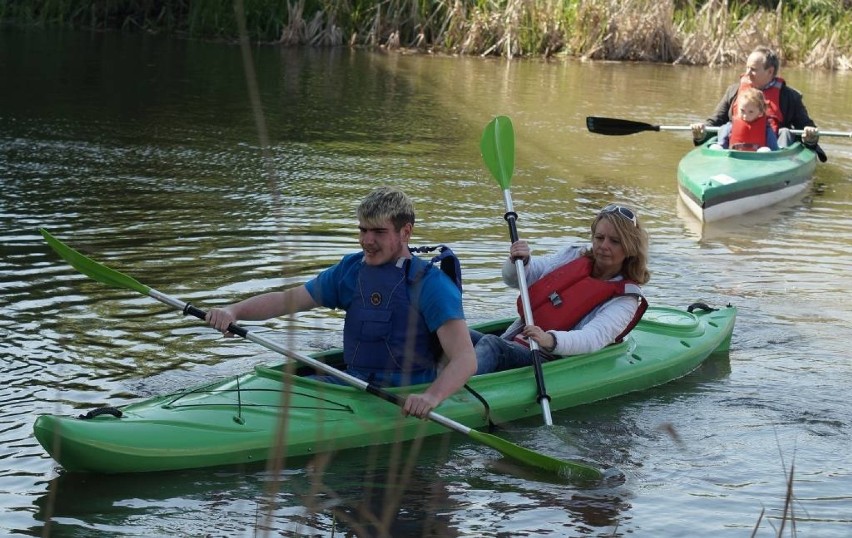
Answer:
(792, 108)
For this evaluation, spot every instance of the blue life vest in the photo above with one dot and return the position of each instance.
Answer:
(383, 331)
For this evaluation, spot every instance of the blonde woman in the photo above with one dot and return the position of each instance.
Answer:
(583, 297)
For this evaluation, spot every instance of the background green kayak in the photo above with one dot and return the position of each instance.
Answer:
(272, 412)
(716, 184)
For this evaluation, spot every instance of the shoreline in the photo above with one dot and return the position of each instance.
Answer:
(813, 34)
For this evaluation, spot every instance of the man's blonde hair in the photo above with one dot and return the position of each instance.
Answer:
(387, 203)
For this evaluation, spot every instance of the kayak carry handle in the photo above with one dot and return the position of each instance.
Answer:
(101, 411)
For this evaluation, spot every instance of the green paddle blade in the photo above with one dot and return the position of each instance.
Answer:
(565, 469)
(93, 269)
(498, 149)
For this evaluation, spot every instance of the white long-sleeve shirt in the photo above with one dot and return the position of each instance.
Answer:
(597, 329)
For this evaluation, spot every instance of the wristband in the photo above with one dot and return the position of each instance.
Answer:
(549, 349)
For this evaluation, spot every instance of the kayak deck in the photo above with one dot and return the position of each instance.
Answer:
(271, 412)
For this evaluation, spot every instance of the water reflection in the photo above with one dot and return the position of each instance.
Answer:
(376, 492)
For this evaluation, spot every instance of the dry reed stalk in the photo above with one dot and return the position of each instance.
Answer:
(397, 24)
(550, 30)
(644, 31)
(454, 28)
(788, 504)
(825, 54)
(634, 30)
(757, 525)
(323, 32)
(710, 42)
(372, 36)
(591, 29)
(423, 29)
(392, 42)
(718, 41)
(478, 34)
(293, 33)
(506, 27)
(755, 30)
(787, 513)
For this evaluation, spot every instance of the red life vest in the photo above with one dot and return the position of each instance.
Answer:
(772, 95)
(561, 298)
(747, 136)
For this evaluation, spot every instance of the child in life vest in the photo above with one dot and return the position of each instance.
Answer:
(749, 130)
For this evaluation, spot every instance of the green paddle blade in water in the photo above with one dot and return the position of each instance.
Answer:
(565, 469)
(93, 269)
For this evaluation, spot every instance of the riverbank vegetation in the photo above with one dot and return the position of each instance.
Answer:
(813, 33)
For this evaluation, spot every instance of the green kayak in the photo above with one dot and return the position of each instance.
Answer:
(272, 411)
(716, 184)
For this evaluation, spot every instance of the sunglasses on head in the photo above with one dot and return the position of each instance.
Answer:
(621, 210)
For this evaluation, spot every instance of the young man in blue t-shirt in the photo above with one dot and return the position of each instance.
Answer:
(401, 312)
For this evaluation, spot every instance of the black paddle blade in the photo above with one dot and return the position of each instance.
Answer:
(617, 127)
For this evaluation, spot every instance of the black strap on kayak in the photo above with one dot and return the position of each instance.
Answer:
(239, 418)
(702, 306)
(491, 425)
(101, 411)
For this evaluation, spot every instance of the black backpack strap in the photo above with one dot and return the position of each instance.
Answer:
(446, 259)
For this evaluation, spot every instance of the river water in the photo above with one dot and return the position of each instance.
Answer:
(146, 153)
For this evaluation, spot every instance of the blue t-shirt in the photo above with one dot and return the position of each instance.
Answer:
(440, 299)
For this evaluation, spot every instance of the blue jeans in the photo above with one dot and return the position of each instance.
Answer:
(494, 353)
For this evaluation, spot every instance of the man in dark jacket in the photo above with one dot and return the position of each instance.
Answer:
(762, 73)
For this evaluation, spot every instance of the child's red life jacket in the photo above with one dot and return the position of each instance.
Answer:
(747, 136)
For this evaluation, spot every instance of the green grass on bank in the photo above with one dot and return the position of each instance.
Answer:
(814, 33)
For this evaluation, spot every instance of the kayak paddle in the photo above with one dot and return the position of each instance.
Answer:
(827, 133)
(498, 152)
(111, 277)
(617, 127)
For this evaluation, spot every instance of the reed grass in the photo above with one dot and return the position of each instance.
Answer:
(813, 33)
(787, 513)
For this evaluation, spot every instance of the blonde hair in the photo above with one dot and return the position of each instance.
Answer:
(634, 241)
(385, 203)
(753, 96)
